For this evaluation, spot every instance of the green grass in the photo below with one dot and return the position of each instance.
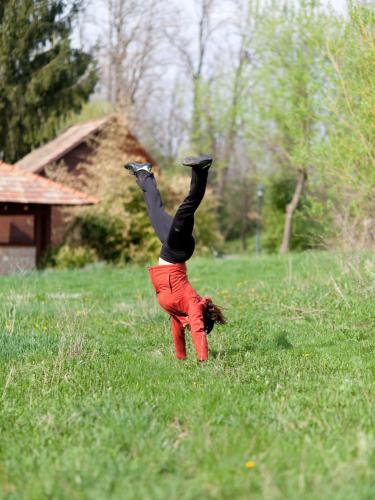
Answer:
(94, 405)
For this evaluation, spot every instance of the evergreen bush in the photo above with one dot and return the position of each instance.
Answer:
(42, 77)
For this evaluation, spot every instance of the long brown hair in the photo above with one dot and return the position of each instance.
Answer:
(215, 313)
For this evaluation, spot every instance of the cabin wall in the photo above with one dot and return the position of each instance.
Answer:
(15, 259)
(25, 233)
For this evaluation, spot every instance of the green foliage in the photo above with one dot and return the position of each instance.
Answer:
(302, 98)
(173, 189)
(309, 226)
(119, 239)
(142, 243)
(206, 227)
(94, 405)
(69, 257)
(43, 78)
(102, 232)
(127, 235)
(261, 110)
(316, 81)
(347, 153)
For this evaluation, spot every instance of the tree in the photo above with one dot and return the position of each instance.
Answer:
(294, 76)
(130, 53)
(347, 155)
(42, 77)
(193, 49)
(229, 117)
(165, 129)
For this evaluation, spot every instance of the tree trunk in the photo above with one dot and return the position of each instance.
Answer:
(290, 208)
(244, 218)
(196, 136)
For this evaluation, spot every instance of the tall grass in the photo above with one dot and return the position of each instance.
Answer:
(94, 405)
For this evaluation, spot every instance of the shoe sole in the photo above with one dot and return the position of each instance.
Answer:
(200, 165)
(138, 170)
(202, 161)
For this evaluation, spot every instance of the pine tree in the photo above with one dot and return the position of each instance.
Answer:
(42, 77)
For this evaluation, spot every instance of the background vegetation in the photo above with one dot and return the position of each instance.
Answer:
(118, 229)
(281, 92)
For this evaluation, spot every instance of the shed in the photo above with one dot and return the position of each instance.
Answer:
(26, 200)
(74, 146)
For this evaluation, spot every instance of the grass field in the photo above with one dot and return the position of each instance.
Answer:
(94, 405)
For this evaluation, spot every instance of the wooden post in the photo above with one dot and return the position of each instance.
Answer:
(42, 230)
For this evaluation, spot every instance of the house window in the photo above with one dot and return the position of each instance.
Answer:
(17, 230)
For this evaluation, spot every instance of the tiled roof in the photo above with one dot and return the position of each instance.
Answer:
(61, 145)
(19, 186)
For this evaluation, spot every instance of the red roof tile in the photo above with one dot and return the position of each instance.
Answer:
(19, 186)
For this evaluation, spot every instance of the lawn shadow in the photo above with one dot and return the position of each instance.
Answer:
(282, 342)
(217, 353)
(279, 341)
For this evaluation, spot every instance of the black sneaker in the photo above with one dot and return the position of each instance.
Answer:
(203, 161)
(138, 167)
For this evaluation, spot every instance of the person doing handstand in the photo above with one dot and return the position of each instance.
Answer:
(174, 292)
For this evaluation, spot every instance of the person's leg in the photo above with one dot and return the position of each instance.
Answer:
(178, 333)
(161, 221)
(201, 345)
(183, 222)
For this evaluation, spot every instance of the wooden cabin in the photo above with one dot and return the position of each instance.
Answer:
(73, 147)
(26, 204)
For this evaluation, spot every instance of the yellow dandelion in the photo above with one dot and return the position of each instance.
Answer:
(250, 464)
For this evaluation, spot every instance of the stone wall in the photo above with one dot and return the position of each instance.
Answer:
(13, 259)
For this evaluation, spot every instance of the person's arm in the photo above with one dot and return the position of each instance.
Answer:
(178, 333)
(197, 329)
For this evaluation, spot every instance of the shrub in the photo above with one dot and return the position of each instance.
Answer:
(124, 234)
(118, 238)
(67, 257)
